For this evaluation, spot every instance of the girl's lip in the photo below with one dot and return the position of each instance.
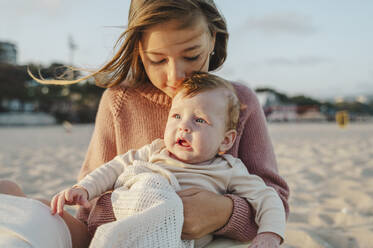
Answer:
(172, 88)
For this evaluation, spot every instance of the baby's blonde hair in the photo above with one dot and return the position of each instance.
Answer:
(202, 81)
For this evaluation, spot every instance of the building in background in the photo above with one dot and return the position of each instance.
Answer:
(8, 53)
(274, 109)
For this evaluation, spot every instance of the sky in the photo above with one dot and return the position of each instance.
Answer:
(323, 49)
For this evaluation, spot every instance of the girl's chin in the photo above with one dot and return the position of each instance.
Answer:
(170, 91)
(170, 94)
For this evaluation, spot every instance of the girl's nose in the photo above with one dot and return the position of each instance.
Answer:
(175, 74)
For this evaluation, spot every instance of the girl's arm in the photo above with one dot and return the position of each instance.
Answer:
(206, 212)
(102, 147)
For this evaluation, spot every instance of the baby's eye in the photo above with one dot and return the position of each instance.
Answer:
(200, 120)
(177, 116)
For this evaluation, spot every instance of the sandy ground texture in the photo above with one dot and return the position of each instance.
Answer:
(329, 171)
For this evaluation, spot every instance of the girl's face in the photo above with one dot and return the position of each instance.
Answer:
(170, 54)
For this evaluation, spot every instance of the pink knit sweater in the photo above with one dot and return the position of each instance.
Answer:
(130, 118)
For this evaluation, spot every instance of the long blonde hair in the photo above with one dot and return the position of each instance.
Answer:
(126, 64)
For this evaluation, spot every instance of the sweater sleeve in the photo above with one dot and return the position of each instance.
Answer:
(253, 146)
(102, 147)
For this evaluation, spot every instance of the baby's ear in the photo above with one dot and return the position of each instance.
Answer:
(228, 141)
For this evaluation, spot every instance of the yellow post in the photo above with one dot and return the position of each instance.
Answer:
(342, 118)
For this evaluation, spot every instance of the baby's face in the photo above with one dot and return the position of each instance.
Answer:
(196, 126)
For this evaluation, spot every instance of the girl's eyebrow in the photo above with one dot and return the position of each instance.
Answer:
(192, 48)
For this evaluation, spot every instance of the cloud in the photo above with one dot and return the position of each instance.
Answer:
(281, 23)
(301, 61)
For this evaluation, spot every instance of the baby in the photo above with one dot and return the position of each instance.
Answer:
(200, 130)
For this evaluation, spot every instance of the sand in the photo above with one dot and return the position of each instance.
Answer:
(329, 171)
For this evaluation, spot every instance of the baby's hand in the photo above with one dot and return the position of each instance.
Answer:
(266, 240)
(72, 196)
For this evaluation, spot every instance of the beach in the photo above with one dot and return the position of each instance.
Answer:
(329, 171)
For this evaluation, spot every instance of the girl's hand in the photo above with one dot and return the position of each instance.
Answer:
(204, 212)
(266, 240)
(72, 196)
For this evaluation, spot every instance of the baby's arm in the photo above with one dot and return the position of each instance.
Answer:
(105, 177)
(270, 212)
(92, 185)
(101, 179)
(266, 240)
(72, 196)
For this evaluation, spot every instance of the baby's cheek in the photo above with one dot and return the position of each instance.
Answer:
(205, 146)
(167, 139)
(168, 130)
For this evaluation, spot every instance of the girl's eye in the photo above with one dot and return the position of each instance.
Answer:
(157, 62)
(200, 120)
(192, 58)
(177, 116)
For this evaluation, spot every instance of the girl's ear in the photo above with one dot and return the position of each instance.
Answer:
(228, 141)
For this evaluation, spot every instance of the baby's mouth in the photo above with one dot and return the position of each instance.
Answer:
(182, 142)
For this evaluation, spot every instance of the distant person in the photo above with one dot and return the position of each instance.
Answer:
(200, 129)
(165, 42)
(67, 126)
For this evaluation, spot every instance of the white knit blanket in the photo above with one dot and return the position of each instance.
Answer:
(149, 213)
